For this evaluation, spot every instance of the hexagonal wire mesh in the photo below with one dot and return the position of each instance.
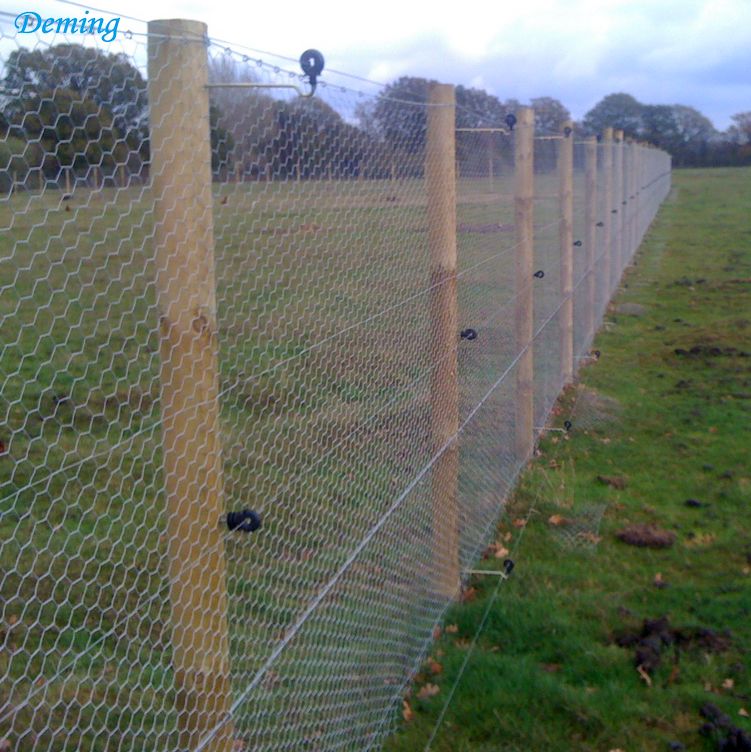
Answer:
(132, 618)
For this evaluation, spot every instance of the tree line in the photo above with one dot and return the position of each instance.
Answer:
(77, 108)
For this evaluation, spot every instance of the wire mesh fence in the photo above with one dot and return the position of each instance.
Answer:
(347, 313)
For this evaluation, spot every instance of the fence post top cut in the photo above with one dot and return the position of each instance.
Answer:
(178, 27)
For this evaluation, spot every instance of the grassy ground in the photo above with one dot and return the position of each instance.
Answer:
(555, 667)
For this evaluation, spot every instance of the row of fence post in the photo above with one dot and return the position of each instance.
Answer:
(178, 75)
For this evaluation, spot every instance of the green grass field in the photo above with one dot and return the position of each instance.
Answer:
(670, 420)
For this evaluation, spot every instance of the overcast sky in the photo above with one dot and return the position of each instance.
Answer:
(694, 52)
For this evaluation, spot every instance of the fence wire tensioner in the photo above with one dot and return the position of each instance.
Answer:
(311, 62)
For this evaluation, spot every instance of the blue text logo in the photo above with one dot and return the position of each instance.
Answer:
(29, 21)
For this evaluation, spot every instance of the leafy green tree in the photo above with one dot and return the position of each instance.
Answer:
(550, 115)
(620, 111)
(741, 128)
(109, 80)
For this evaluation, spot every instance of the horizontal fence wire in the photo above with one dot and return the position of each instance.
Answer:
(332, 317)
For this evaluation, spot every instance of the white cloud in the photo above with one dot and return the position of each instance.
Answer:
(692, 51)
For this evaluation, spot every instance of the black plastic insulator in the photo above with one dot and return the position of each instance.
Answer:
(246, 521)
(578, 243)
(539, 274)
(600, 224)
(614, 211)
(568, 425)
(311, 62)
(508, 566)
(511, 121)
(469, 334)
(567, 131)
(599, 137)
(596, 353)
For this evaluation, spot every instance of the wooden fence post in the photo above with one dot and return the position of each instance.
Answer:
(524, 134)
(186, 298)
(628, 203)
(491, 176)
(607, 218)
(440, 178)
(590, 231)
(633, 168)
(566, 236)
(618, 210)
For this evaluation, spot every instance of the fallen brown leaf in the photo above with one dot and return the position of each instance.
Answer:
(501, 552)
(615, 481)
(434, 667)
(407, 713)
(436, 633)
(519, 522)
(428, 690)
(551, 668)
(589, 537)
(728, 684)
(469, 595)
(644, 675)
(743, 712)
(452, 629)
(558, 520)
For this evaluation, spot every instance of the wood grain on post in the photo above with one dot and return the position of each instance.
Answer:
(566, 236)
(184, 247)
(618, 208)
(440, 178)
(590, 230)
(607, 216)
(524, 313)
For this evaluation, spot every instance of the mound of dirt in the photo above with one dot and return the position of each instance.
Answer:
(646, 536)
(655, 635)
(718, 726)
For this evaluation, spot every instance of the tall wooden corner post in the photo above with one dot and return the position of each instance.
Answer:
(524, 134)
(590, 229)
(566, 235)
(186, 298)
(440, 179)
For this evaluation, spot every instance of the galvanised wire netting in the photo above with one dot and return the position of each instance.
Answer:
(324, 366)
